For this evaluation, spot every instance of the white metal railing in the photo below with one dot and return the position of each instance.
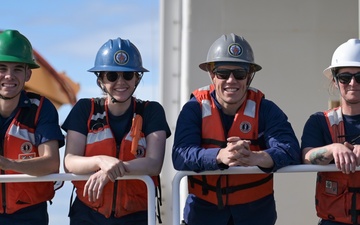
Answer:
(7, 178)
(238, 170)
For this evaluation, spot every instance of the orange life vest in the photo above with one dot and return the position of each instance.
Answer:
(19, 143)
(337, 194)
(123, 196)
(230, 189)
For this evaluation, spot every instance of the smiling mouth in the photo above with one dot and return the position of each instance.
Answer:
(231, 89)
(120, 89)
(8, 85)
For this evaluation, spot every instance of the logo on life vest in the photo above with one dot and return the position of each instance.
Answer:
(331, 187)
(245, 127)
(97, 127)
(26, 147)
(235, 50)
(140, 152)
(121, 57)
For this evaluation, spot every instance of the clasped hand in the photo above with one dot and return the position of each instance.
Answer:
(237, 153)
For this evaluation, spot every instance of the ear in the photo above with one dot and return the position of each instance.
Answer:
(212, 76)
(138, 78)
(211, 73)
(99, 83)
(28, 75)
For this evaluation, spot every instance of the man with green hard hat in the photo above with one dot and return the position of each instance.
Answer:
(30, 135)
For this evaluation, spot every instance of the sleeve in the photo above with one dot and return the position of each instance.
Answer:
(280, 139)
(315, 132)
(155, 119)
(187, 153)
(78, 117)
(47, 127)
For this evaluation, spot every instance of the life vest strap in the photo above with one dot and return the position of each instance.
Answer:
(226, 190)
(158, 196)
(208, 141)
(353, 212)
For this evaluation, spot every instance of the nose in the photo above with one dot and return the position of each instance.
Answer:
(231, 77)
(353, 81)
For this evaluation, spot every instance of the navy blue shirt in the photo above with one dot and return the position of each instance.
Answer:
(316, 132)
(276, 136)
(47, 128)
(153, 119)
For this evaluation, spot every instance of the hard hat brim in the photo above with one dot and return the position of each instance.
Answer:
(117, 68)
(204, 67)
(327, 72)
(13, 59)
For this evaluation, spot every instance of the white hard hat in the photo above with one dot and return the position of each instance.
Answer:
(346, 55)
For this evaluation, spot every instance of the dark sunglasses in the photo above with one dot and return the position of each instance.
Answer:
(224, 74)
(345, 78)
(114, 76)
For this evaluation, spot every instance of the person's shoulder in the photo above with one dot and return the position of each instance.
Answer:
(83, 105)
(46, 104)
(267, 103)
(83, 101)
(148, 104)
(317, 115)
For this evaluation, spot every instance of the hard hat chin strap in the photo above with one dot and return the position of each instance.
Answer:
(250, 79)
(248, 84)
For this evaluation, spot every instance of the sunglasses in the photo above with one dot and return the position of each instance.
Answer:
(345, 78)
(224, 74)
(114, 76)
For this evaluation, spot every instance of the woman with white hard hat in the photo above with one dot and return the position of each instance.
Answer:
(333, 137)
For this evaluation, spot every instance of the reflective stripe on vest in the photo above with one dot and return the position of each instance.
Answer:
(19, 143)
(122, 197)
(230, 189)
(335, 124)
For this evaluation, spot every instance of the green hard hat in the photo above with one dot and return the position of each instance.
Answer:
(15, 47)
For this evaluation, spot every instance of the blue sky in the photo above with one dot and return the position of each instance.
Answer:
(68, 35)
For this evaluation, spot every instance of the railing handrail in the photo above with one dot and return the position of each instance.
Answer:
(8, 178)
(239, 170)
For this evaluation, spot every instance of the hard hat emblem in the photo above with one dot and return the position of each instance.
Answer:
(121, 57)
(235, 50)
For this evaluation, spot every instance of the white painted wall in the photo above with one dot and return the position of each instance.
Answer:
(292, 40)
